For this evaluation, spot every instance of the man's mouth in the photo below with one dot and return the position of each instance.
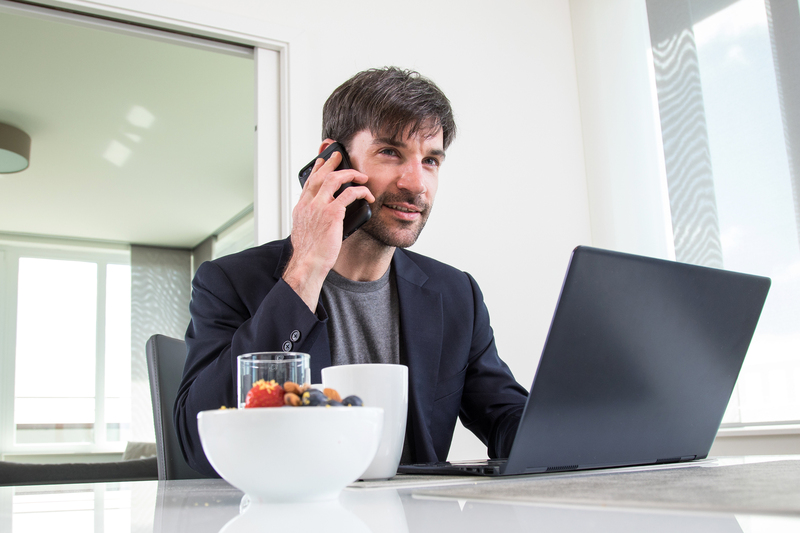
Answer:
(403, 208)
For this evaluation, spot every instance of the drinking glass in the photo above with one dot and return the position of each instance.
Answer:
(280, 366)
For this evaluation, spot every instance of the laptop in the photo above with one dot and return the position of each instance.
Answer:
(637, 369)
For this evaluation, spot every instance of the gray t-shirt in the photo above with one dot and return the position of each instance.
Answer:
(364, 323)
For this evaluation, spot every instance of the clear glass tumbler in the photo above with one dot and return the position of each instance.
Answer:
(280, 366)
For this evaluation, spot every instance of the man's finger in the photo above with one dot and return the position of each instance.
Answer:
(351, 194)
(318, 163)
(321, 169)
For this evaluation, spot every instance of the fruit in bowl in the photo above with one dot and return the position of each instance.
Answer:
(291, 454)
(272, 394)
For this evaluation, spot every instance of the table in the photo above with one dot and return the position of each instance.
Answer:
(642, 499)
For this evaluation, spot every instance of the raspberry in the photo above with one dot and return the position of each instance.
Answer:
(265, 394)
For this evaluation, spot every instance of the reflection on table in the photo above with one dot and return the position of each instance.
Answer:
(198, 506)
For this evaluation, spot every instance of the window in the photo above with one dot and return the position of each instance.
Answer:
(728, 108)
(68, 342)
(753, 187)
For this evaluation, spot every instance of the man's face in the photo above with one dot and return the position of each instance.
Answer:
(403, 177)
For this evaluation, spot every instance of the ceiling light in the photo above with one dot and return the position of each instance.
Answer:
(15, 149)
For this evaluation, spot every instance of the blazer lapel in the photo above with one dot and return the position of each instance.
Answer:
(421, 330)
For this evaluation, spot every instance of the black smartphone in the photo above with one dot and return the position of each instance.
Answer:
(358, 212)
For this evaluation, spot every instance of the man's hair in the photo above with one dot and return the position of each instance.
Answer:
(388, 102)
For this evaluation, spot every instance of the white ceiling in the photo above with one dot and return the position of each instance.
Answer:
(134, 140)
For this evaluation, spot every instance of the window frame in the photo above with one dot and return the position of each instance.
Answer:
(11, 250)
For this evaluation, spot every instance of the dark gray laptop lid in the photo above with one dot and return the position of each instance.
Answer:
(639, 363)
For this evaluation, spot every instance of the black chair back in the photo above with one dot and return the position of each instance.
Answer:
(165, 360)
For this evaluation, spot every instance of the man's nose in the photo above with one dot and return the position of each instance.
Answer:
(412, 178)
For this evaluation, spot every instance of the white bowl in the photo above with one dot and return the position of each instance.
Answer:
(291, 454)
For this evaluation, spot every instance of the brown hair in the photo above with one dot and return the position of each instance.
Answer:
(389, 102)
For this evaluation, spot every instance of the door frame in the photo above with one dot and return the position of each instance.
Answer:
(271, 45)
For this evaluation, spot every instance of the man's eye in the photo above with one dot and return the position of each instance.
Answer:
(431, 161)
(389, 151)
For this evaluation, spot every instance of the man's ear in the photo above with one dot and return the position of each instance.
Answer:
(325, 144)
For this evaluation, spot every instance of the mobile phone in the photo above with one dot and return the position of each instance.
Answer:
(358, 212)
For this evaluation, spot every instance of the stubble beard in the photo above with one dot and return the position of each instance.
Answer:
(403, 234)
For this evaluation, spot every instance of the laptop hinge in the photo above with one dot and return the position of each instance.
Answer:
(683, 459)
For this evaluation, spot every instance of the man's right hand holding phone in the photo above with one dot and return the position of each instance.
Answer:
(317, 222)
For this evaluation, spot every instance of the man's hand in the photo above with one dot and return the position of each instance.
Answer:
(317, 226)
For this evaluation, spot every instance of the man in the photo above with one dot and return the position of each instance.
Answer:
(364, 299)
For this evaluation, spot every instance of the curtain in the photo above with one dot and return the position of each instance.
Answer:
(160, 293)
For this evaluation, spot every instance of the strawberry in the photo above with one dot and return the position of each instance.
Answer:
(265, 394)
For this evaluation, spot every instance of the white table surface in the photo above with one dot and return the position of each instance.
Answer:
(199, 506)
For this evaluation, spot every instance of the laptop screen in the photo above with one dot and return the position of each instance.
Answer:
(639, 363)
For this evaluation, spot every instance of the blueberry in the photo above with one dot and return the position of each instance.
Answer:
(333, 403)
(353, 401)
(314, 397)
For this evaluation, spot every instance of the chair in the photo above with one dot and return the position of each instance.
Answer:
(165, 359)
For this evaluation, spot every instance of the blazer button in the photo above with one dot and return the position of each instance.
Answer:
(287, 346)
(295, 336)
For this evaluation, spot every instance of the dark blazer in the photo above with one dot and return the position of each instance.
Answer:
(240, 304)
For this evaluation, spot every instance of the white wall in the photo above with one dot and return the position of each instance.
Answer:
(512, 198)
(512, 201)
(558, 142)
